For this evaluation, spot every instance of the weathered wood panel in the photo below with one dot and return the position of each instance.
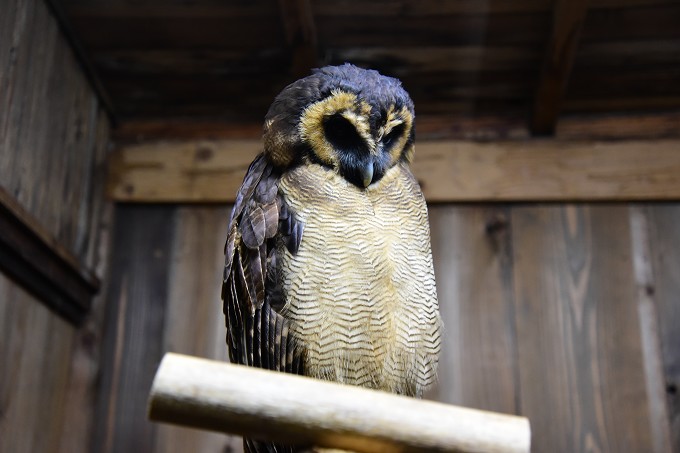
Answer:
(194, 322)
(664, 236)
(579, 342)
(212, 171)
(163, 296)
(49, 126)
(471, 251)
(541, 303)
(53, 144)
(133, 342)
(36, 353)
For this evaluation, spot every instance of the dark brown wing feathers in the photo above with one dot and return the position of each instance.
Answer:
(256, 333)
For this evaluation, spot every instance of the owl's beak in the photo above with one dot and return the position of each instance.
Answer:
(367, 174)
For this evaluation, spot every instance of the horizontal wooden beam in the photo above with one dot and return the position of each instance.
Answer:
(286, 408)
(448, 171)
(36, 261)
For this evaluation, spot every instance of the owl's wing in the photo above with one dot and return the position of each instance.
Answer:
(260, 225)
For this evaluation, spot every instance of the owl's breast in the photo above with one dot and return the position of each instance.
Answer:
(360, 291)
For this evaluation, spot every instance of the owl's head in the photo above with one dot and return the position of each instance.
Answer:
(354, 121)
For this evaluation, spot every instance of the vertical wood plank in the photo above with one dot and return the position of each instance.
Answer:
(664, 225)
(164, 295)
(194, 322)
(136, 300)
(649, 329)
(86, 355)
(471, 252)
(579, 342)
(35, 349)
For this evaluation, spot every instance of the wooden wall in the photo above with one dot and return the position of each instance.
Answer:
(53, 141)
(566, 313)
(163, 296)
(554, 312)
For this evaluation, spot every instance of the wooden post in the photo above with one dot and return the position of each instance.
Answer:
(264, 404)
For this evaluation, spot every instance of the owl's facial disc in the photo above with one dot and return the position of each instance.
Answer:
(339, 132)
(356, 156)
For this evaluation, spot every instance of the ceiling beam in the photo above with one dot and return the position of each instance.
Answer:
(568, 18)
(448, 171)
(300, 30)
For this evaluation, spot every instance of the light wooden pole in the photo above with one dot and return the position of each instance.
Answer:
(257, 403)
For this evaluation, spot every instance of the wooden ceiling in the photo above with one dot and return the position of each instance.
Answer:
(530, 61)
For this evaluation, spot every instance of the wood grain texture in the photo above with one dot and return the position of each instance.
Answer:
(664, 236)
(233, 398)
(46, 108)
(472, 258)
(86, 354)
(163, 296)
(202, 171)
(133, 340)
(579, 340)
(193, 321)
(35, 346)
(542, 313)
(640, 238)
(53, 142)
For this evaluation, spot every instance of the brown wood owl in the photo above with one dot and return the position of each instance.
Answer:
(328, 262)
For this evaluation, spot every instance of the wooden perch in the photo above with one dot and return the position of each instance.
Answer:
(257, 403)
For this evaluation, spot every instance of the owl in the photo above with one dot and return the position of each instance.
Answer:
(328, 261)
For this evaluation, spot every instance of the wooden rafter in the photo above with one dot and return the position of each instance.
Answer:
(300, 29)
(449, 171)
(568, 18)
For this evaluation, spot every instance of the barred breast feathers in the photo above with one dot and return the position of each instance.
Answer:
(360, 292)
